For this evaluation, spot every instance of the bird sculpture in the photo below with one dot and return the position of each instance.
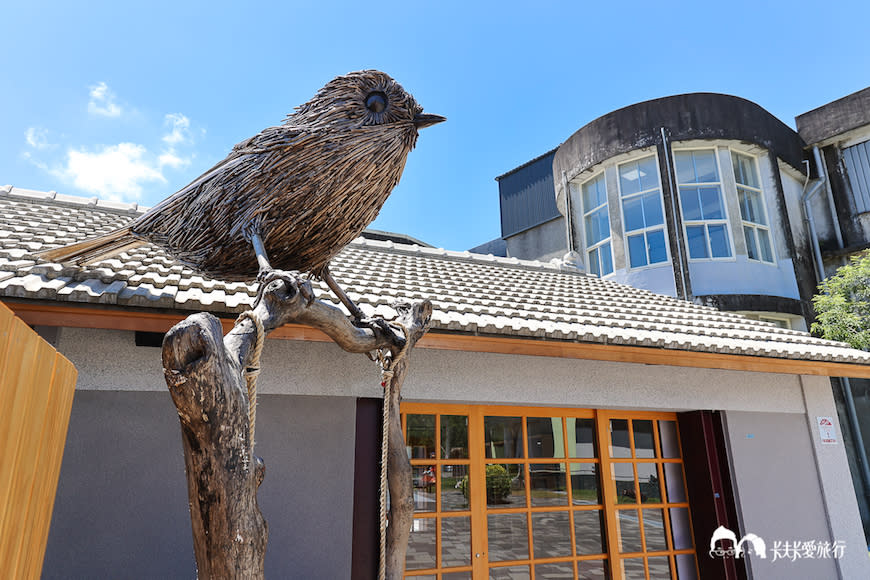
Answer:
(288, 199)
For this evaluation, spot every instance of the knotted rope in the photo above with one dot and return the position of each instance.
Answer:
(252, 370)
(386, 365)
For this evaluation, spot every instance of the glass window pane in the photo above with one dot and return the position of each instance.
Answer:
(584, 484)
(648, 479)
(454, 487)
(508, 537)
(503, 437)
(454, 437)
(658, 252)
(510, 573)
(592, 569)
(681, 533)
(547, 484)
(751, 249)
(764, 242)
(557, 571)
(545, 437)
(589, 532)
(628, 529)
(644, 442)
(750, 207)
(668, 439)
(451, 576)
(649, 173)
(633, 569)
(654, 530)
(686, 567)
(505, 486)
(421, 436)
(652, 209)
(674, 482)
(744, 170)
(620, 446)
(594, 266)
(456, 541)
(629, 178)
(606, 259)
(421, 545)
(659, 568)
(633, 213)
(594, 193)
(637, 250)
(720, 245)
(690, 203)
(705, 166)
(424, 488)
(582, 433)
(551, 534)
(685, 166)
(623, 481)
(711, 203)
(696, 237)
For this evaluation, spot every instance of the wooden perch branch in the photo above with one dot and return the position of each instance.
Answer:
(204, 373)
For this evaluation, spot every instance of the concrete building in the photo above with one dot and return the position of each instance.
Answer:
(625, 426)
(710, 198)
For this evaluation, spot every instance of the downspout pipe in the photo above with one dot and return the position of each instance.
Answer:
(823, 171)
(674, 201)
(806, 197)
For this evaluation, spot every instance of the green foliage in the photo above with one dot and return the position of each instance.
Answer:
(498, 484)
(843, 305)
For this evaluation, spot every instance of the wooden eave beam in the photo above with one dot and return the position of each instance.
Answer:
(89, 316)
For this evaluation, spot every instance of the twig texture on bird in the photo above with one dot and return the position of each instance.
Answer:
(306, 188)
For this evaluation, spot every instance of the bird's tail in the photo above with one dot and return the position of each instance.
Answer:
(94, 249)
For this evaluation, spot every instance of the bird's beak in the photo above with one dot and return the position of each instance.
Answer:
(422, 120)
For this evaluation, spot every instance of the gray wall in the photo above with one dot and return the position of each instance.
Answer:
(543, 242)
(121, 508)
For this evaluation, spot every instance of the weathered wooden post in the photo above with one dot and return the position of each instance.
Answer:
(205, 375)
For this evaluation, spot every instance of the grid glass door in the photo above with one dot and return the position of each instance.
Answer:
(530, 493)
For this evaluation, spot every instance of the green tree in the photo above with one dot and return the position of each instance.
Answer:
(843, 304)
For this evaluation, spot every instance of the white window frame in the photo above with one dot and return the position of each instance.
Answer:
(724, 221)
(606, 240)
(753, 225)
(645, 230)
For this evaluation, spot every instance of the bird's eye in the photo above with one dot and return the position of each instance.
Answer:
(376, 102)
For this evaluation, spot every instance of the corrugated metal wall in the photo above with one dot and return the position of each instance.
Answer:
(36, 393)
(857, 159)
(527, 196)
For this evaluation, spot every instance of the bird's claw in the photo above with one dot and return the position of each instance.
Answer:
(292, 278)
(382, 326)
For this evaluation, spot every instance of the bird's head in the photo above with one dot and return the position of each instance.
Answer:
(362, 99)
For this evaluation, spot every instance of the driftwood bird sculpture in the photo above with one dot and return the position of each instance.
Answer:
(289, 198)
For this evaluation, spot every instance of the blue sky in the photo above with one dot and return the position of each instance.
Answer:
(132, 101)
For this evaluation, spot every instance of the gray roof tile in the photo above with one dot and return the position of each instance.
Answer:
(470, 293)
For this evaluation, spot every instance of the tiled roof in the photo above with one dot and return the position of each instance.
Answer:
(470, 293)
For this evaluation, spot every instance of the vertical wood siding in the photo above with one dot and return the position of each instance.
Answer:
(36, 393)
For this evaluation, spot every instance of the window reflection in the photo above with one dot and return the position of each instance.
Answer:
(584, 484)
(644, 442)
(547, 484)
(619, 443)
(503, 437)
(454, 437)
(582, 433)
(545, 437)
(551, 534)
(421, 436)
(508, 536)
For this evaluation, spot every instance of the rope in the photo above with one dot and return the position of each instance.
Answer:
(252, 370)
(387, 367)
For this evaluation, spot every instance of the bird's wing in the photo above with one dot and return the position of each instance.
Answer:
(265, 141)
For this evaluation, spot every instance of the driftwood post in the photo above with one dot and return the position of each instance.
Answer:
(204, 373)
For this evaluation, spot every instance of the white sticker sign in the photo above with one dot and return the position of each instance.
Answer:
(827, 432)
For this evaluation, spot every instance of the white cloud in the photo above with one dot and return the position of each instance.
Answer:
(103, 101)
(180, 129)
(37, 138)
(112, 172)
